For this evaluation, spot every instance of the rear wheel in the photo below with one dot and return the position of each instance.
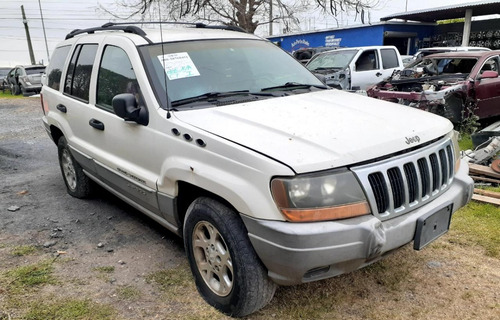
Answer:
(77, 183)
(227, 271)
(15, 89)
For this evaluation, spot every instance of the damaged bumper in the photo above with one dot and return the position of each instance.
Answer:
(302, 252)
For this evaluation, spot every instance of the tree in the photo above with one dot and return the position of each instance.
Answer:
(247, 14)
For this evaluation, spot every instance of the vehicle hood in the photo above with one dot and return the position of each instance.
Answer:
(320, 130)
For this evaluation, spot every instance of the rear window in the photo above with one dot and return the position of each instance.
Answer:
(54, 70)
(389, 58)
(35, 70)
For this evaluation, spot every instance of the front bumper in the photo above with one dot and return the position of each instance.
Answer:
(302, 252)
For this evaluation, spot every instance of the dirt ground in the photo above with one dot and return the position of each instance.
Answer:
(84, 237)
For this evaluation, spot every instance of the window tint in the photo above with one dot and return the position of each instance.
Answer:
(367, 61)
(79, 71)
(389, 58)
(54, 70)
(116, 76)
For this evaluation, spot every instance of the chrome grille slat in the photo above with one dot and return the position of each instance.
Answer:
(400, 184)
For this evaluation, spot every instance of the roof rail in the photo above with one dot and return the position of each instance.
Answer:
(108, 26)
(193, 24)
(130, 27)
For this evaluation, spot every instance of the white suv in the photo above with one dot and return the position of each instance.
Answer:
(229, 142)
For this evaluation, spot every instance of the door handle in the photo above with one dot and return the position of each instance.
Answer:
(378, 74)
(96, 124)
(62, 108)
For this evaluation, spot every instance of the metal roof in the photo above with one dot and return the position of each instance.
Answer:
(479, 8)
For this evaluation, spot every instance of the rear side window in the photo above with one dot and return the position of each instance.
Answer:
(77, 82)
(389, 58)
(54, 70)
(116, 76)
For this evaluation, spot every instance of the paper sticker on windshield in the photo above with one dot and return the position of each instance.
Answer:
(178, 65)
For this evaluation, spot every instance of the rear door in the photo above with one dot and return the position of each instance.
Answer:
(391, 61)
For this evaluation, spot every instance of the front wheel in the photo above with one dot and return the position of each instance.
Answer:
(77, 183)
(227, 271)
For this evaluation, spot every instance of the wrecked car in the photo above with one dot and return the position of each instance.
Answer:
(454, 85)
(355, 68)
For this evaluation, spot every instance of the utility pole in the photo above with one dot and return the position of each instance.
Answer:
(30, 47)
(44, 34)
(270, 17)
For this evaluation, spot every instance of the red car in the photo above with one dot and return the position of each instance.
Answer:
(453, 84)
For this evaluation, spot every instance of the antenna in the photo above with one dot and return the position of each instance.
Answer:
(163, 62)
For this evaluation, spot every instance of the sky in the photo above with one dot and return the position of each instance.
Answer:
(62, 16)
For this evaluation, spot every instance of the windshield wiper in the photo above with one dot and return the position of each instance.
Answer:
(213, 96)
(294, 85)
(207, 97)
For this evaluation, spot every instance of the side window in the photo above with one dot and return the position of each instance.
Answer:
(116, 76)
(77, 82)
(54, 70)
(490, 65)
(389, 58)
(367, 61)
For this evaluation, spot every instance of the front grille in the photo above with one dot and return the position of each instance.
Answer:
(401, 184)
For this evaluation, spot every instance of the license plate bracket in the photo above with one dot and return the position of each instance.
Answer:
(431, 226)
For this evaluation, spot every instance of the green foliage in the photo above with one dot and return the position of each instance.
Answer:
(448, 21)
(69, 310)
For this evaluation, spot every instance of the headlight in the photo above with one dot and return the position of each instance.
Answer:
(319, 197)
(456, 149)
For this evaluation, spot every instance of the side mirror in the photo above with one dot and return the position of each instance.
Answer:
(488, 75)
(125, 106)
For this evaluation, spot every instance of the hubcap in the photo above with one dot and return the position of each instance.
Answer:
(68, 169)
(212, 258)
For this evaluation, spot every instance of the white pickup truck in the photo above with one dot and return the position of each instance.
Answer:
(356, 68)
(269, 176)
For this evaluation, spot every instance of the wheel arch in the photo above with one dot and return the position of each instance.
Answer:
(187, 193)
(55, 133)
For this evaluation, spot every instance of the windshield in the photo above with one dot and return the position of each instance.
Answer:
(207, 68)
(437, 66)
(331, 60)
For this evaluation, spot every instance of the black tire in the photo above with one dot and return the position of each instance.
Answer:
(453, 109)
(77, 183)
(228, 273)
(16, 90)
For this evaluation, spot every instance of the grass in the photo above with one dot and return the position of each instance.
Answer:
(25, 277)
(69, 309)
(128, 293)
(23, 250)
(175, 279)
(105, 269)
(7, 94)
(478, 225)
(465, 142)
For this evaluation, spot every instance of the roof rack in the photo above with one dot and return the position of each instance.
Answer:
(130, 27)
